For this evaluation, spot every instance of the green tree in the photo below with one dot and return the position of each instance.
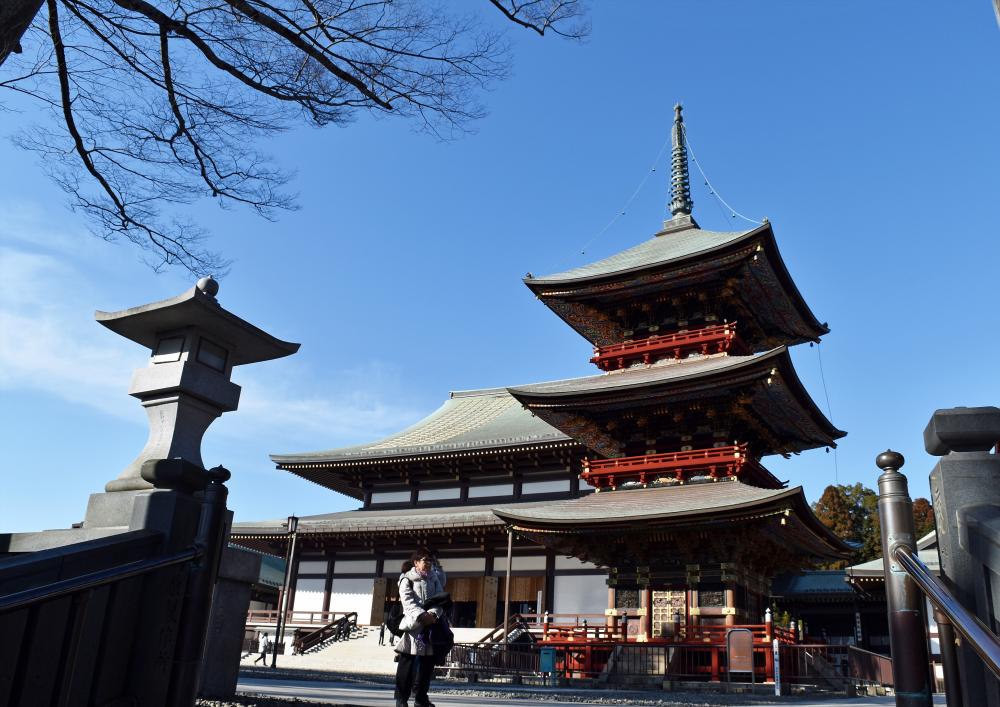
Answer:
(923, 517)
(851, 512)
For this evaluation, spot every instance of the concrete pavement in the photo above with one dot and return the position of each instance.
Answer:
(346, 693)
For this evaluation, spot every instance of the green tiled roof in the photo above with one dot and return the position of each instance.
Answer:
(472, 420)
(660, 249)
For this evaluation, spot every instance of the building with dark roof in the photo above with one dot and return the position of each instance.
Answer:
(638, 490)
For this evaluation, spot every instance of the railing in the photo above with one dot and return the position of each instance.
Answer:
(967, 514)
(868, 667)
(718, 338)
(270, 616)
(617, 662)
(674, 467)
(983, 641)
(336, 631)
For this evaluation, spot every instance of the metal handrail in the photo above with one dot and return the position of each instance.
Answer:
(983, 641)
(29, 597)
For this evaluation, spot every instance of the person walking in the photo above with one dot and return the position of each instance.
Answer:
(415, 655)
(263, 645)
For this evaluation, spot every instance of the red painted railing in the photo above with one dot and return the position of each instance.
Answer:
(719, 338)
(715, 462)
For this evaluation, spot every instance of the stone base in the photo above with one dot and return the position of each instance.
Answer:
(49, 539)
(111, 510)
(107, 514)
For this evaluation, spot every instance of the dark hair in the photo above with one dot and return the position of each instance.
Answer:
(420, 553)
(407, 566)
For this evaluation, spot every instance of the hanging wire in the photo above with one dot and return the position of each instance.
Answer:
(624, 208)
(829, 412)
(712, 189)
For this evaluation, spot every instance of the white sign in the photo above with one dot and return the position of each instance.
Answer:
(777, 669)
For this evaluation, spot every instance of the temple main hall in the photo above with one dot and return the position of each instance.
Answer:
(638, 496)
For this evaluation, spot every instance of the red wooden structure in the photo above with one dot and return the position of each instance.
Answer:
(720, 338)
(714, 463)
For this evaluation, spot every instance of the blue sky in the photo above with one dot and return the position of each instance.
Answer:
(866, 132)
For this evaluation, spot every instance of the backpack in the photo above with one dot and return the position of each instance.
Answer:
(395, 618)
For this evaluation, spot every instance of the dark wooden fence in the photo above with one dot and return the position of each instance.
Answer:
(115, 622)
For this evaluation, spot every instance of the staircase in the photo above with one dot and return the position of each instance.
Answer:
(344, 628)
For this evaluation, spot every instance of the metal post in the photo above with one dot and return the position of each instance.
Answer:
(907, 624)
(949, 659)
(279, 627)
(506, 584)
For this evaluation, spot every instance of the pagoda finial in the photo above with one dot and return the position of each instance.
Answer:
(680, 186)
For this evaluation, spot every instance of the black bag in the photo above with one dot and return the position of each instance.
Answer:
(442, 640)
(395, 617)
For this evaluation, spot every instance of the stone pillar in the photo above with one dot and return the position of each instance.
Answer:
(238, 572)
(966, 477)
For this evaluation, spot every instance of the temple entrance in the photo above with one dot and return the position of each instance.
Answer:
(524, 594)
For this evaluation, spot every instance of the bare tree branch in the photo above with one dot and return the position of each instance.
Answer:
(157, 104)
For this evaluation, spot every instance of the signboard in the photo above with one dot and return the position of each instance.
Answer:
(739, 647)
(777, 668)
(739, 652)
(547, 660)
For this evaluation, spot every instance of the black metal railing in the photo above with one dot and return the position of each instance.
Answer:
(339, 630)
(819, 667)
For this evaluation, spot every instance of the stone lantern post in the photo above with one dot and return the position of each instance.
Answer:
(194, 344)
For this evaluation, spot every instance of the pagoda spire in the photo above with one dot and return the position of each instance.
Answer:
(680, 185)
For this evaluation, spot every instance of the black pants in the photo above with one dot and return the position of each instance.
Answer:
(413, 674)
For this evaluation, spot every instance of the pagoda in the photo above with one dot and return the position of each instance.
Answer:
(637, 495)
(691, 331)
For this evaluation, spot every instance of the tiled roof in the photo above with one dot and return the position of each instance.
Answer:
(661, 372)
(375, 521)
(658, 250)
(472, 420)
(875, 568)
(814, 582)
(631, 506)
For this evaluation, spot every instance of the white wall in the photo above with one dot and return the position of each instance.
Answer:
(309, 595)
(391, 497)
(463, 564)
(559, 486)
(353, 567)
(353, 595)
(518, 564)
(312, 567)
(440, 494)
(581, 594)
(491, 490)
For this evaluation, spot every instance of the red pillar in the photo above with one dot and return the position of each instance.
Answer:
(646, 627)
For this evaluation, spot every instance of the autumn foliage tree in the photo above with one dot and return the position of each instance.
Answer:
(156, 103)
(851, 512)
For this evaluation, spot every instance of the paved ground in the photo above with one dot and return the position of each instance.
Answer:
(346, 693)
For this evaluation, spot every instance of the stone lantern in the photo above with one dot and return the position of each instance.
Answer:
(194, 345)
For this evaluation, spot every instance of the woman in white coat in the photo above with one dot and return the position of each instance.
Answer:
(414, 656)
